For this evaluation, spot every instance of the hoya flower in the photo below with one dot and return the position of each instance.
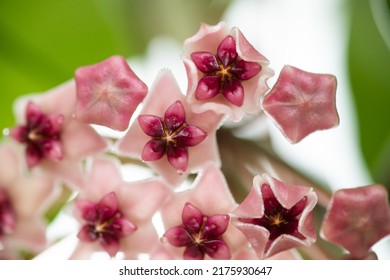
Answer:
(23, 199)
(225, 72)
(168, 136)
(108, 93)
(197, 220)
(200, 234)
(357, 218)
(301, 103)
(115, 216)
(53, 139)
(276, 217)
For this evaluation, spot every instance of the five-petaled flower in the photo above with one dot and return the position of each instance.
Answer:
(104, 223)
(171, 135)
(188, 139)
(357, 218)
(301, 103)
(225, 72)
(200, 234)
(108, 93)
(276, 217)
(41, 134)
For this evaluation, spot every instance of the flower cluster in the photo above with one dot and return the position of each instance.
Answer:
(55, 160)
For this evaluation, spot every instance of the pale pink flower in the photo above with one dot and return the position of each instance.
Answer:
(225, 72)
(357, 218)
(276, 217)
(54, 140)
(168, 136)
(301, 103)
(108, 93)
(23, 199)
(198, 219)
(115, 216)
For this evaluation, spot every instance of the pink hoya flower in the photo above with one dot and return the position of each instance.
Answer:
(200, 234)
(168, 136)
(53, 139)
(225, 72)
(108, 93)
(276, 217)
(301, 103)
(357, 218)
(116, 215)
(23, 199)
(197, 220)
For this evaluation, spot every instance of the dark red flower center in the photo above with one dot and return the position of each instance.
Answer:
(7, 215)
(277, 219)
(170, 135)
(41, 134)
(223, 72)
(104, 222)
(200, 234)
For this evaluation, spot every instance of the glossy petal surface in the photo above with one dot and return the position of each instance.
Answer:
(276, 217)
(108, 93)
(357, 218)
(301, 103)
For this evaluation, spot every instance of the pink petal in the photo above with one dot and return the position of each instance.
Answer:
(52, 150)
(151, 125)
(19, 133)
(33, 158)
(245, 70)
(301, 103)
(190, 136)
(33, 113)
(174, 116)
(87, 209)
(85, 234)
(233, 91)
(178, 157)
(360, 214)
(193, 253)
(153, 150)
(227, 51)
(208, 87)
(178, 236)
(110, 205)
(192, 217)
(217, 249)
(206, 62)
(127, 227)
(108, 93)
(216, 225)
(111, 246)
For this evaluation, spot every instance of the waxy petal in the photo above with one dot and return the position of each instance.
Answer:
(126, 227)
(109, 205)
(110, 245)
(206, 62)
(151, 125)
(357, 218)
(208, 87)
(108, 93)
(153, 150)
(193, 253)
(192, 217)
(87, 209)
(86, 235)
(227, 52)
(52, 150)
(245, 70)
(178, 157)
(217, 249)
(301, 103)
(174, 116)
(178, 236)
(216, 225)
(233, 91)
(190, 136)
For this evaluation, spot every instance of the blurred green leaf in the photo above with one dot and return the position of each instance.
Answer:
(44, 41)
(369, 67)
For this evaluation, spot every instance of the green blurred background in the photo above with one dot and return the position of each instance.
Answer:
(42, 42)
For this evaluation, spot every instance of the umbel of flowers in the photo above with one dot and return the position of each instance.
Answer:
(54, 160)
